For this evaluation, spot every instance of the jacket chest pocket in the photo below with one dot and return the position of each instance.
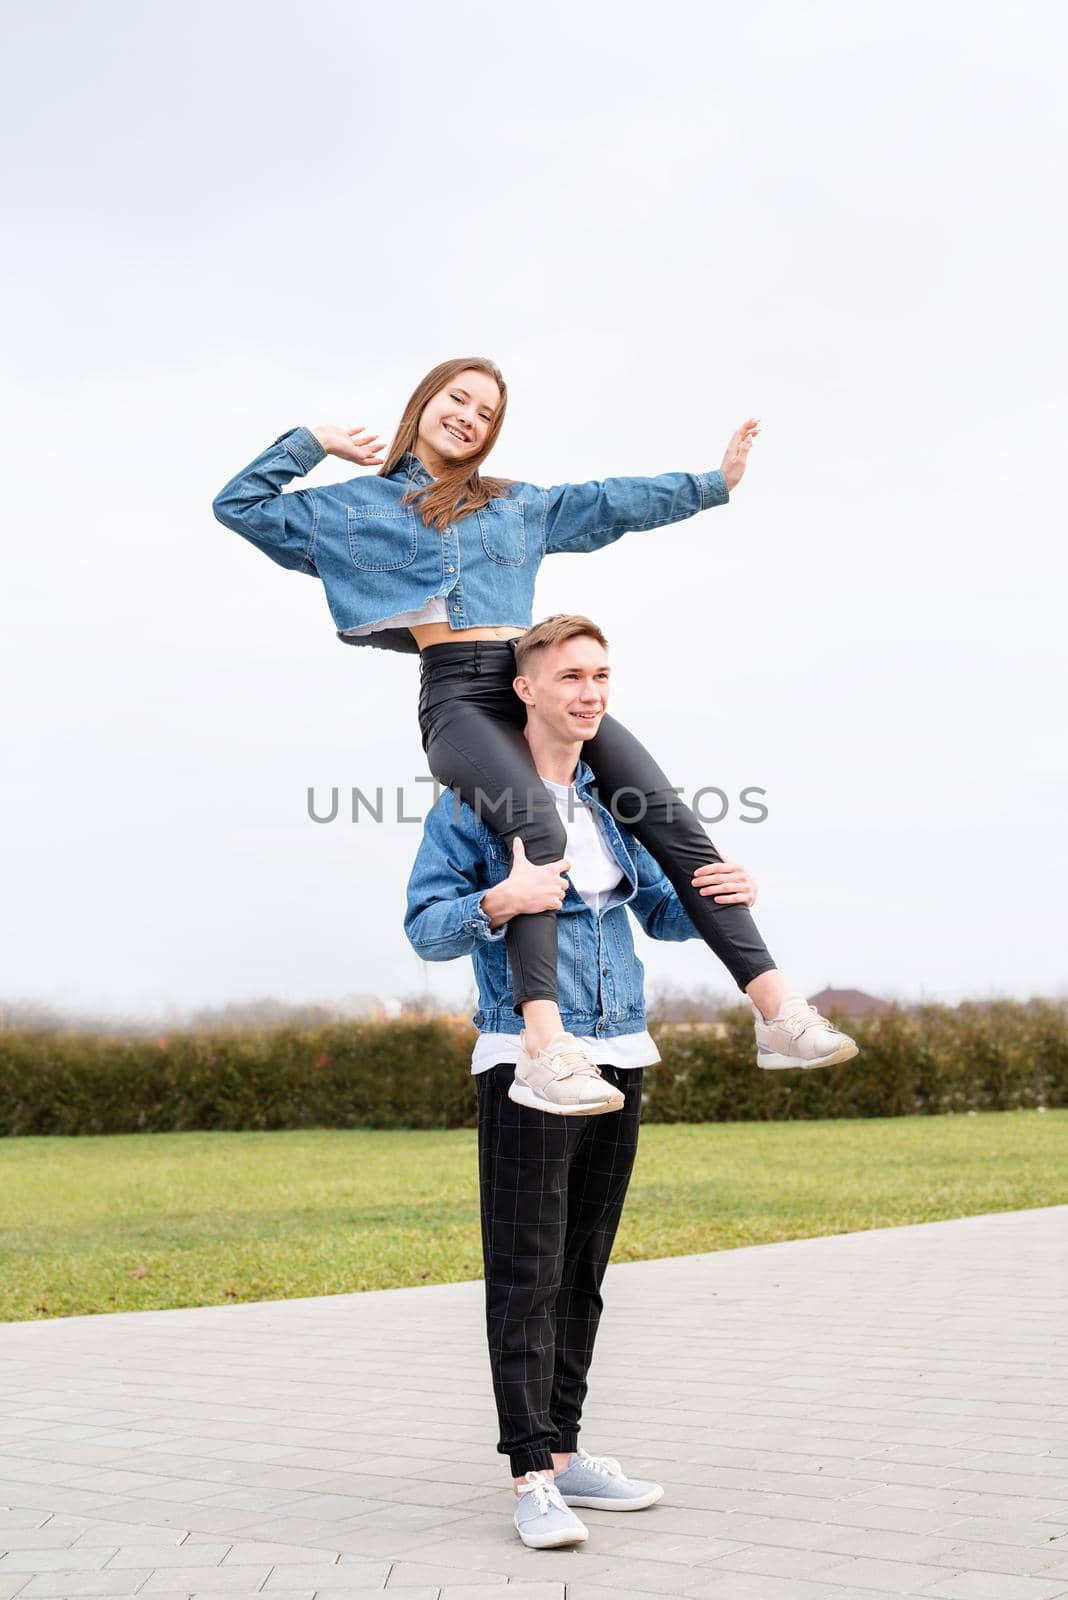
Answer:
(503, 532)
(383, 540)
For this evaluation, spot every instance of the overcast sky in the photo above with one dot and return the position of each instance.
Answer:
(238, 218)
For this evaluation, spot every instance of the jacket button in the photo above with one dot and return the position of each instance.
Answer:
(450, 569)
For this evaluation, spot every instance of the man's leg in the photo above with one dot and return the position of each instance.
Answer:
(600, 1173)
(523, 1160)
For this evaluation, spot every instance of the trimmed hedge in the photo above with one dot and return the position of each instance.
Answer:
(416, 1074)
(918, 1060)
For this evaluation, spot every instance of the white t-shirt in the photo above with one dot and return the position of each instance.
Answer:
(434, 611)
(595, 872)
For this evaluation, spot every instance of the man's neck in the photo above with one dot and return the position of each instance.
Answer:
(555, 759)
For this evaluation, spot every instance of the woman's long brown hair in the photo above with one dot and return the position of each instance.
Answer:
(460, 489)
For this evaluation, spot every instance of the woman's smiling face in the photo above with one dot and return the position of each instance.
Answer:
(454, 424)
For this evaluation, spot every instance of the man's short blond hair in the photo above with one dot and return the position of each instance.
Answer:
(550, 631)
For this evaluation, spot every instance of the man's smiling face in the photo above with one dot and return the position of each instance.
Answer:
(566, 688)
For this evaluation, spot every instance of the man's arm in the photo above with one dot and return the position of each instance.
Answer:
(450, 907)
(445, 917)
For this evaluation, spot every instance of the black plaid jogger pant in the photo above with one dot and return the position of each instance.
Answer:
(552, 1190)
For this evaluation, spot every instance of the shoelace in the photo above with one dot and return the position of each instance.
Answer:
(802, 1020)
(606, 1464)
(545, 1493)
(570, 1061)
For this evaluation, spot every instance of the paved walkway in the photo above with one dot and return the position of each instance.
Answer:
(881, 1413)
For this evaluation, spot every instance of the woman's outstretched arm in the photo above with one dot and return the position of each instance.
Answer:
(283, 525)
(587, 516)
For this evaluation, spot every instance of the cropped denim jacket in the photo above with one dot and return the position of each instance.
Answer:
(599, 975)
(377, 558)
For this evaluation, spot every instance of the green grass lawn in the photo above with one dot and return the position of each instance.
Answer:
(145, 1221)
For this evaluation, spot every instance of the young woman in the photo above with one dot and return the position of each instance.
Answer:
(428, 555)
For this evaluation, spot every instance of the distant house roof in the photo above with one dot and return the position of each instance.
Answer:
(851, 1002)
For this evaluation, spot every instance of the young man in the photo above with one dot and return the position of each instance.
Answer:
(552, 1188)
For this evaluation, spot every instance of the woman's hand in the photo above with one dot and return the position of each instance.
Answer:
(351, 444)
(737, 452)
(728, 883)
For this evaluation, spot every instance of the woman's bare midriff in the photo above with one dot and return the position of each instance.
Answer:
(441, 633)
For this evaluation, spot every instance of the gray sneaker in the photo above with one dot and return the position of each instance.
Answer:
(600, 1481)
(542, 1520)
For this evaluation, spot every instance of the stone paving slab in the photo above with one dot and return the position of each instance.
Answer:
(865, 1415)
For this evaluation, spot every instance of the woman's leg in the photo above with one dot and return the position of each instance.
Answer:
(638, 794)
(792, 1033)
(473, 734)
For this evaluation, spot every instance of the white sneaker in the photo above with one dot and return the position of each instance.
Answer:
(542, 1520)
(600, 1481)
(563, 1080)
(800, 1037)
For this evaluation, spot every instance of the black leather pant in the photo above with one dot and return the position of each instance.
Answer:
(472, 725)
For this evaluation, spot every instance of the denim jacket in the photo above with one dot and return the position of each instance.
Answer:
(378, 558)
(599, 975)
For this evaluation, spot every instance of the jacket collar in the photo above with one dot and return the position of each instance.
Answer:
(584, 779)
(409, 466)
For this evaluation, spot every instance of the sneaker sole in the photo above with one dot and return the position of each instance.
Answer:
(553, 1541)
(524, 1095)
(771, 1061)
(591, 1500)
